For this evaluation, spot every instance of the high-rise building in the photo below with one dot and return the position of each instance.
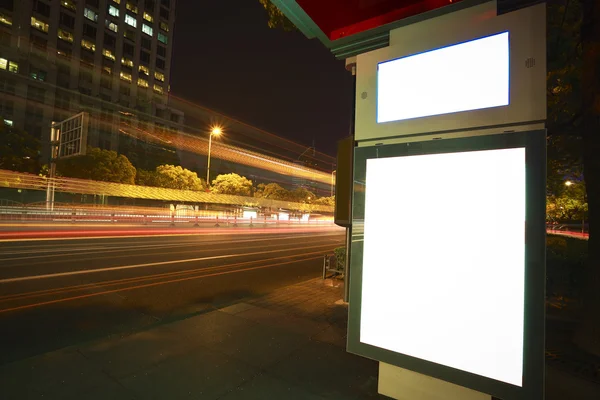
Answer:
(111, 58)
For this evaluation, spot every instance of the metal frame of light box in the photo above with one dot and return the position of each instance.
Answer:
(534, 143)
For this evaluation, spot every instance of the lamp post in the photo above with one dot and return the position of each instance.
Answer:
(332, 181)
(216, 131)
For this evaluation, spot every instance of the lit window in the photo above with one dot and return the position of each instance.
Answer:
(106, 69)
(114, 11)
(41, 25)
(5, 19)
(164, 26)
(159, 76)
(117, 1)
(8, 122)
(13, 67)
(111, 25)
(64, 35)
(148, 17)
(158, 89)
(126, 76)
(144, 70)
(132, 7)
(129, 20)
(38, 75)
(147, 29)
(142, 82)
(127, 62)
(91, 15)
(108, 54)
(162, 38)
(4, 63)
(68, 4)
(86, 44)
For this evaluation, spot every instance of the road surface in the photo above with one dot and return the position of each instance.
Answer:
(57, 293)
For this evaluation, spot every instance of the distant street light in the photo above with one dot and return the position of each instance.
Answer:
(568, 183)
(216, 131)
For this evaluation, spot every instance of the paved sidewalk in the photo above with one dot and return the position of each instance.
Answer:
(289, 344)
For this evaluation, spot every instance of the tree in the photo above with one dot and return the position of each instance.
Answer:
(326, 201)
(564, 162)
(171, 177)
(276, 17)
(99, 165)
(569, 205)
(302, 195)
(271, 191)
(19, 151)
(232, 184)
(588, 334)
(574, 109)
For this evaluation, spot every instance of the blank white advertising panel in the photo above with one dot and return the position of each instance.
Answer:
(444, 260)
(463, 77)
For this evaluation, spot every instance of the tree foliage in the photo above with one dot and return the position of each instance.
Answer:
(19, 151)
(232, 184)
(176, 177)
(564, 63)
(565, 162)
(99, 165)
(325, 201)
(276, 17)
(271, 191)
(171, 177)
(302, 195)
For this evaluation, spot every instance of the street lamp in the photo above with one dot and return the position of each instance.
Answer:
(216, 131)
(568, 183)
(332, 180)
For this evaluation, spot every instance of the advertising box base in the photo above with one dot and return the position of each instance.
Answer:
(402, 384)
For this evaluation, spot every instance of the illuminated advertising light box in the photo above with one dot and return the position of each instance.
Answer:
(445, 75)
(448, 260)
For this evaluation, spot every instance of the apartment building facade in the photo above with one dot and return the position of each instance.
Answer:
(111, 58)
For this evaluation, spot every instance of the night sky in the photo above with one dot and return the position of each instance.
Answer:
(226, 58)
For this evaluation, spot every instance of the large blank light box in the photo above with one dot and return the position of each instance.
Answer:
(448, 260)
(449, 240)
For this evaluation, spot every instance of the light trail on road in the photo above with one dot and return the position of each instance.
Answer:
(124, 267)
(56, 293)
(117, 249)
(39, 304)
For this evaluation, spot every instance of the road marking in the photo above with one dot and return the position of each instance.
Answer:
(51, 250)
(149, 285)
(114, 249)
(124, 267)
(74, 288)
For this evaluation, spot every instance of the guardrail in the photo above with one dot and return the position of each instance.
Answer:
(144, 216)
(19, 180)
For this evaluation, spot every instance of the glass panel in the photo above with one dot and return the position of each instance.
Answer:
(147, 29)
(38, 24)
(64, 35)
(114, 11)
(129, 20)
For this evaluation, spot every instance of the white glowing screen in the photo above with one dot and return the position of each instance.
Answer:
(444, 260)
(462, 77)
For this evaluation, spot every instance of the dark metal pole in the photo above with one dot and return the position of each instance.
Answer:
(352, 68)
